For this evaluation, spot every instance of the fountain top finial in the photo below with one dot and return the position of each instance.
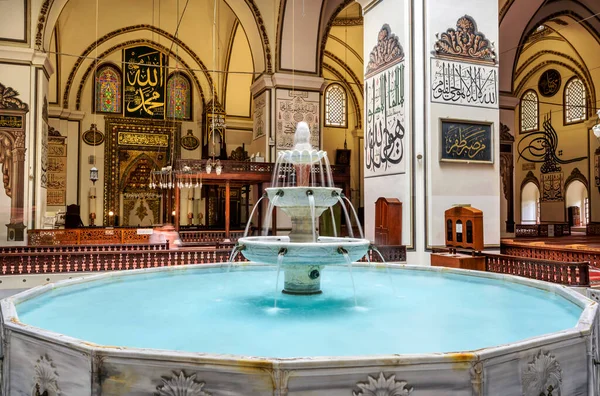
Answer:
(302, 137)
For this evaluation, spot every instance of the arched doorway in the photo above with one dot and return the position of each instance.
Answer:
(577, 203)
(530, 198)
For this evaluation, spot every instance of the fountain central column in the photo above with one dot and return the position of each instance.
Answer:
(302, 279)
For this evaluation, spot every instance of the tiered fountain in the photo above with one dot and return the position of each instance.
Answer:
(203, 330)
(303, 188)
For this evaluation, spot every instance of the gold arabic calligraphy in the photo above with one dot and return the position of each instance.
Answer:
(461, 141)
(144, 91)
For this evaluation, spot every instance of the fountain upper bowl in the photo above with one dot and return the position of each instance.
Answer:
(325, 197)
(326, 251)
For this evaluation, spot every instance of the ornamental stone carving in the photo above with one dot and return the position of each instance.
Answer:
(45, 378)
(542, 376)
(388, 51)
(465, 43)
(9, 100)
(181, 385)
(383, 387)
(279, 379)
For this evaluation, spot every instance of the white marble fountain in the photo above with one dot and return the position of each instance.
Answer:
(338, 329)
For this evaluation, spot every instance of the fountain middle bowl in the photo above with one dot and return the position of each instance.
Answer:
(326, 251)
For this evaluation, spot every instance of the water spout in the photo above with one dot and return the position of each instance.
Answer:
(280, 256)
(348, 222)
(344, 252)
(360, 231)
(236, 249)
(269, 214)
(387, 270)
(252, 215)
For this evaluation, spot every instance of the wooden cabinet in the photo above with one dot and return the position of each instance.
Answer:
(464, 227)
(388, 221)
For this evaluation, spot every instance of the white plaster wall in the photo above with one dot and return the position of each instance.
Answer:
(13, 20)
(460, 183)
(396, 14)
(18, 77)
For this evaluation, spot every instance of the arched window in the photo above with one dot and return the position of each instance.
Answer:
(459, 231)
(575, 103)
(335, 106)
(179, 97)
(529, 112)
(107, 90)
(449, 230)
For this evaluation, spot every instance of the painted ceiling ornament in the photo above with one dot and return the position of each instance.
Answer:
(387, 52)
(383, 387)
(180, 385)
(45, 378)
(9, 100)
(542, 376)
(465, 43)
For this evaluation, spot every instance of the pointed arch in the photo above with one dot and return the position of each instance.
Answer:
(108, 89)
(529, 112)
(575, 98)
(179, 97)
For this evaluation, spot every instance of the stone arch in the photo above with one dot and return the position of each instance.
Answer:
(576, 175)
(530, 178)
(246, 11)
(515, 27)
(349, 92)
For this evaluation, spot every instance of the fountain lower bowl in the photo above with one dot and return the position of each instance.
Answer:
(326, 251)
(74, 366)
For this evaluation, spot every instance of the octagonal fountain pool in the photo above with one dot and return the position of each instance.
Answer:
(410, 330)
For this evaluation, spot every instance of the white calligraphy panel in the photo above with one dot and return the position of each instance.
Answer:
(385, 122)
(465, 84)
(293, 107)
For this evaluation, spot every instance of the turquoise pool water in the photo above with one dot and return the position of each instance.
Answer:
(209, 310)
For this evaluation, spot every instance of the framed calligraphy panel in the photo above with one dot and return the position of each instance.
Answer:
(464, 84)
(466, 141)
(385, 122)
(144, 82)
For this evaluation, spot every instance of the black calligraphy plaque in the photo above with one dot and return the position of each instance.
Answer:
(11, 121)
(145, 77)
(466, 141)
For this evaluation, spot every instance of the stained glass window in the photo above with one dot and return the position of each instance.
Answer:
(529, 112)
(575, 107)
(335, 106)
(108, 90)
(179, 97)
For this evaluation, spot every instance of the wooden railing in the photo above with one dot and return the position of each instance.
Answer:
(82, 248)
(86, 236)
(390, 253)
(541, 230)
(553, 253)
(208, 236)
(592, 229)
(80, 262)
(571, 274)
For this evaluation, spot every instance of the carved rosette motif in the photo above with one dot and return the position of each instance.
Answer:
(181, 385)
(383, 387)
(45, 377)
(279, 378)
(388, 51)
(542, 376)
(465, 43)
